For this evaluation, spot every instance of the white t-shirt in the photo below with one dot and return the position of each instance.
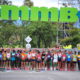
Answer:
(59, 55)
(8, 55)
(29, 56)
(55, 58)
(33, 55)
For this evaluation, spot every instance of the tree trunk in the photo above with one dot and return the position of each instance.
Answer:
(38, 42)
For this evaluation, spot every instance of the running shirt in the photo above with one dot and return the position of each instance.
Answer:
(26, 53)
(13, 56)
(78, 56)
(43, 56)
(74, 58)
(68, 57)
(4, 56)
(29, 56)
(55, 58)
(17, 55)
(8, 55)
(0, 56)
(59, 56)
(63, 57)
(48, 56)
(66, 53)
(38, 57)
(33, 55)
(23, 56)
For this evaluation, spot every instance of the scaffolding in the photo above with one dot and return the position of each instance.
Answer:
(66, 3)
(69, 3)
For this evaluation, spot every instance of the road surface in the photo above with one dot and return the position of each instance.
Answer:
(45, 75)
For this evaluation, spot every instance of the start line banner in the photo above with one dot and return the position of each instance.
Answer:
(64, 14)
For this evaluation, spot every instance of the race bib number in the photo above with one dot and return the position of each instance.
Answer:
(42, 56)
(0, 56)
(64, 58)
(74, 59)
(22, 56)
(69, 57)
(48, 56)
(29, 56)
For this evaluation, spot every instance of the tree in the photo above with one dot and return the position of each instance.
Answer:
(42, 33)
(74, 37)
(5, 2)
(28, 3)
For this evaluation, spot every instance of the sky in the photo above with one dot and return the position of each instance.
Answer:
(38, 3)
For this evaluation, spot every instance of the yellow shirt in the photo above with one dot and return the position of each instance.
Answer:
(74, 57)
(78, 56)
(4, 56)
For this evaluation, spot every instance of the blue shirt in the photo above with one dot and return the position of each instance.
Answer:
(13, 56)
(0, 56)
(68, 57)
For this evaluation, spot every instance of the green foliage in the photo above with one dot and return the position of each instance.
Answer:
(42, 33)
(74, 37)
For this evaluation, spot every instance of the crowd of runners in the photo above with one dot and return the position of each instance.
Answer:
(40, 59)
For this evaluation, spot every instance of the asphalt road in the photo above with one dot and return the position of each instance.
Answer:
(46, 75)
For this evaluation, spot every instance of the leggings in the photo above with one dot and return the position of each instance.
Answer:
(79, 65)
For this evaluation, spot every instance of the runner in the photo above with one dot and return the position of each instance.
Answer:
(18, 60)
(1, 58)
(74, 60)
(69, 61)
(23, 59)
(8, 55)
(13, 59)
(26, 60)
(43, 60)
(78, 57)
(38, 58)
(4, 58)
(29, 60)
(63, 61)
(33, 59)
(55, 60)
(48, 60)
(59, 59)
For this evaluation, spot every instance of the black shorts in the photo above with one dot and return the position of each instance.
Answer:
(33, 59)
(23, 60)
(29, 60)
(42, 60)
(0, 59)
(17, 58)
(59, 59)
(74, 62)
(63, 61)
(8, 60)
(38, 61)
(26, 60)
(4, 60)
(68, 62)
(13, 61)
(48, 60)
